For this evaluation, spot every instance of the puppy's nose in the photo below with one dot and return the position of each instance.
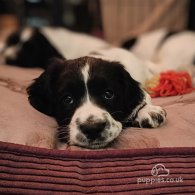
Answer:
(92, 130)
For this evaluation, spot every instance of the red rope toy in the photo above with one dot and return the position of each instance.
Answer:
(172, 83)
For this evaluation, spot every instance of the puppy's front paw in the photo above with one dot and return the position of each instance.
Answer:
(150, 116)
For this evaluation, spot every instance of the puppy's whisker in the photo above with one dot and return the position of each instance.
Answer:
(61, 127)
(65, 120)
(63, 136)
(66, 137)
(61, 133)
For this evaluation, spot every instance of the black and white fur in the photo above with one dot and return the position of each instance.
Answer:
(92, 100)
(165, 50)
(32, 47)
(93, 93)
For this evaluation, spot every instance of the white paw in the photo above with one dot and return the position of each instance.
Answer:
(150, 116)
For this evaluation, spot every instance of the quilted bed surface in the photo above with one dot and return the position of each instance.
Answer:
(20, 123)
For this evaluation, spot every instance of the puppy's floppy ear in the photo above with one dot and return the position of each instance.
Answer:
(134, 94)
(41, 94)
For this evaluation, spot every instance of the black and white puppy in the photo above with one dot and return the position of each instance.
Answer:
(33, 47)
(92, 99)
(164, 50)
(93, 96)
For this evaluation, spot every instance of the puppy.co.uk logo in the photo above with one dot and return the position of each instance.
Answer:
(160, 174)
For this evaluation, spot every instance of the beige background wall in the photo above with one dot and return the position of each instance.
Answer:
(124, 19)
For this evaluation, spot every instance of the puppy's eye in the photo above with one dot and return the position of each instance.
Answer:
(108, 94)
(68, 100)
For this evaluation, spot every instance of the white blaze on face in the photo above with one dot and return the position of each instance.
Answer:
(11, 52)
(87, 110)
(26, 34)
(85, 73)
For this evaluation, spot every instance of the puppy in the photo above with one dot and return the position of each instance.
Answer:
(33, 47)
(165, 50)
(93, 94)
(92, 99)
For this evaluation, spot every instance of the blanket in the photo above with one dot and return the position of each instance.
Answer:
(20, 123)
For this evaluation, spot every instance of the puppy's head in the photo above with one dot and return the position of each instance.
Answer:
(89, 97)
(27, 47)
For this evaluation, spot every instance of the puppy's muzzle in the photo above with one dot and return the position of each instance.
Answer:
(93, 127)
